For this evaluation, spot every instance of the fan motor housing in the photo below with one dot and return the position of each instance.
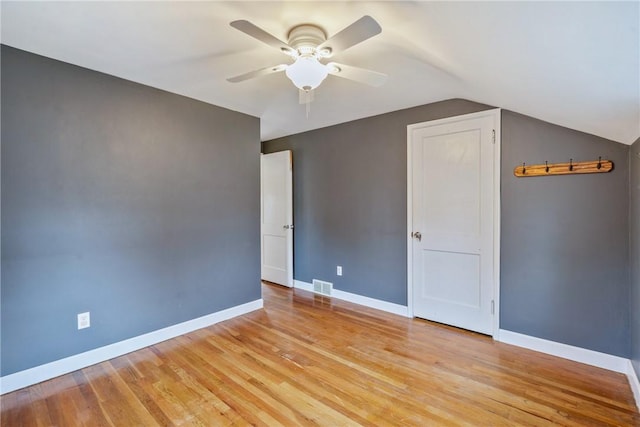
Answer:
(307, 36)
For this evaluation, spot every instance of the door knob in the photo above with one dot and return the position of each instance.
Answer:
(417, 235)
(288, 227)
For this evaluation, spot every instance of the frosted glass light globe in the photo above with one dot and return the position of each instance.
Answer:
(307, 73)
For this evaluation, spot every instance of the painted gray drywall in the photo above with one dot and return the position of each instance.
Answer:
(634, 215)
(350, 200)
(135, 204)
(564, 244)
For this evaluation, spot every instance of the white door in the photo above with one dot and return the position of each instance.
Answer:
(276, 216)
(453, 166)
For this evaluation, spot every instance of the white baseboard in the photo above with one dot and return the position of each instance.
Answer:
(634, 383)
(305, 286)
(577, 354)
(389, 307)
(54, 369)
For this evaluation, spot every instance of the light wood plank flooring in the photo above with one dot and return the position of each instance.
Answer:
(308, 360)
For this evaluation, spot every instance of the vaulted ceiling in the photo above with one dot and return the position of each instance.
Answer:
(575, 64)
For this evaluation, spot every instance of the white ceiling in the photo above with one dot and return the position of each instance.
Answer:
(576, 64)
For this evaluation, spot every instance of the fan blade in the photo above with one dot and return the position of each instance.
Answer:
(361, 75)
(258, 73)
(260, 34)
(305, 96)
(364, 28)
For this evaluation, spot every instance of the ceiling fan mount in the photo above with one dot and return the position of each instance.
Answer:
(308, 45)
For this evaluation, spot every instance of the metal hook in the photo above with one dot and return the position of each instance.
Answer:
(524, 169)
(546, 169)
(599, 162)
(571, 165)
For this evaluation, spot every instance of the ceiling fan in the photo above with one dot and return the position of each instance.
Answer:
(308, 46)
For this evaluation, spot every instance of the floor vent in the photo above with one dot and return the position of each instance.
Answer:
(322, 287)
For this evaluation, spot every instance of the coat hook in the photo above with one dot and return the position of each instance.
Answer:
(571, 165)
(546, 164)
(599, 162)
(524, 170)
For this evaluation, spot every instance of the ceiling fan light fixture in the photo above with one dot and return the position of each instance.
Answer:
(307, 72)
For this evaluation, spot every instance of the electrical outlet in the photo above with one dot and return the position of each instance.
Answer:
(339, 270)
(84, 320)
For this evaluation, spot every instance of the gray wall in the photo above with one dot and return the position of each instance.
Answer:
(634, 157)
(137, 205)
(350, 200)
(564, 239)
(564, 260)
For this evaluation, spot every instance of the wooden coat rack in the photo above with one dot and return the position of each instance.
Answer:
(595, 166)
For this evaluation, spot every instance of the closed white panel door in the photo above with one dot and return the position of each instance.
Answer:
(452, 215)
(277, 217)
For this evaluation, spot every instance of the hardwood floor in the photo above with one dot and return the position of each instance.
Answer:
(307, 360)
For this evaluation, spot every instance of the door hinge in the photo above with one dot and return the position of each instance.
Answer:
(494, 136)
(493, 307)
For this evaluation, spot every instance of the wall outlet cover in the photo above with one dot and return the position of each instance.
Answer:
(84, 320)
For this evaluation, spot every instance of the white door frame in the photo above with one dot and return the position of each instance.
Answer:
(495, 114)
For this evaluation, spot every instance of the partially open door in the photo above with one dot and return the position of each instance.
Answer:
(276, 215)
